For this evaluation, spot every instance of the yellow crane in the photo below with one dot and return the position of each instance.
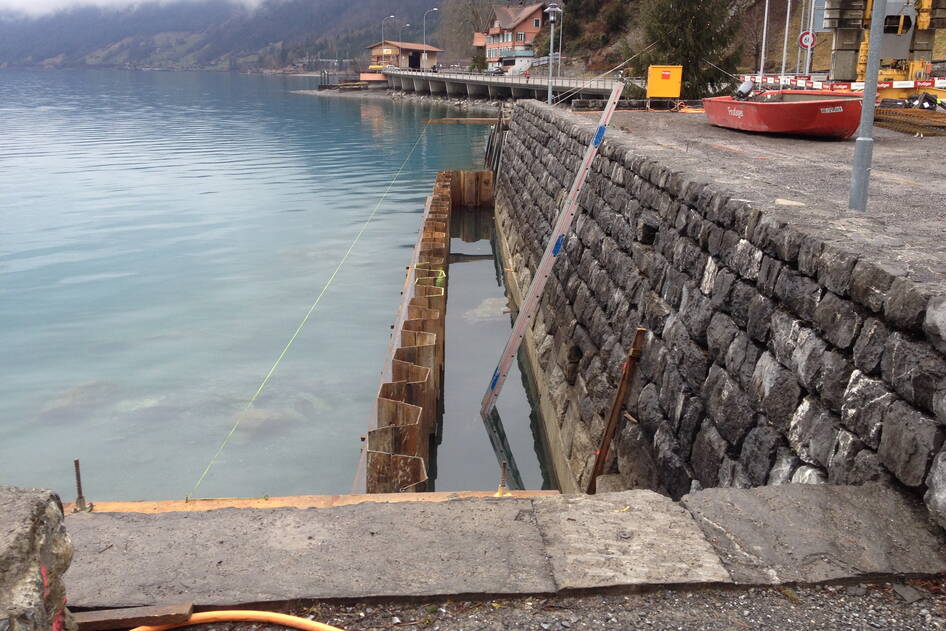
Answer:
(906, 49)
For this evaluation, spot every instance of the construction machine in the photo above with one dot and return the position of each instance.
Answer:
(906, 49)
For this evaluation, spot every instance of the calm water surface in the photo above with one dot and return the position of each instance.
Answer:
(161, 237)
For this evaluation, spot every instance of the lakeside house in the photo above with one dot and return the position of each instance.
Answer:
(508, 42)
(404, 54)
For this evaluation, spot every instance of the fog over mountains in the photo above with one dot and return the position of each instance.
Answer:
(180, 34)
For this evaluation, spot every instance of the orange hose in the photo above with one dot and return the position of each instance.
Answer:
(245, 616)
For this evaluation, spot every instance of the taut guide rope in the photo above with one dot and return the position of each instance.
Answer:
(312, 308)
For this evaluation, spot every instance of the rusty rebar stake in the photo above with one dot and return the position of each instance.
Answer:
(627, 375)
(81, 506)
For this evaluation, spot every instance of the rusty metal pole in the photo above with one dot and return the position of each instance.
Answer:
(81, 505)
(627, 375)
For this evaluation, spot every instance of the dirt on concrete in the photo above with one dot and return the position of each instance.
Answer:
(914, 605)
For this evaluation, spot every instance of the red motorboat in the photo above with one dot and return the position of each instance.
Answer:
(793, 112)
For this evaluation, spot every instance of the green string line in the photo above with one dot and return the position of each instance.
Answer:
(302, 324)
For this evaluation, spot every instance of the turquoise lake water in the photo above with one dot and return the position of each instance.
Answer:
(161, 237)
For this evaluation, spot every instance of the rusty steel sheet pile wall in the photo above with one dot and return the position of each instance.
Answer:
(776, 353)
(408, 403)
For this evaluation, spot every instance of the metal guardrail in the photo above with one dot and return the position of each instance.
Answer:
(537, 82)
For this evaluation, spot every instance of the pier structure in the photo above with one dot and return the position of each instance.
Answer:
(478, 85)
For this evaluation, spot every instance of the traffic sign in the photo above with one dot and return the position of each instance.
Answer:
(806, 39)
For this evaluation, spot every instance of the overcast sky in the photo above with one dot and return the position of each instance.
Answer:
(36, 7)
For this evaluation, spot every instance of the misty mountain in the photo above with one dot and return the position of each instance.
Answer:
(218, 34)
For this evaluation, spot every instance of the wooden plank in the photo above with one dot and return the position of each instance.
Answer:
(461, 121)
(301, 501)
(132, 617)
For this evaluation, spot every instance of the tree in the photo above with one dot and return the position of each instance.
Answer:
(459, 19)
(700, 35)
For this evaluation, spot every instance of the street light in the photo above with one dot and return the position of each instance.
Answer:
(553, 11)
(390, 17)
(400, 34)
(425, 32)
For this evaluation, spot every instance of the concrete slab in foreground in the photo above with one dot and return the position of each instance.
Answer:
(233, 556)
(623, 539)
(808, 534)
(508, 546)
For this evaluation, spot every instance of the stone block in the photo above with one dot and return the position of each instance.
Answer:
(691, 417)
(835, 268)
(649, 412)
(934, 323)
(809, 255)
(722, 288)
(768, 275)
(786, 462)
(865, 403)
(707, 454)
(635, 459)
(35, 553)
(696, 312)
(745, 259)
(906, 304)
(868, 469)
(758, 454)
(908, 443)
(733, 475)
(813, 432)
(841, 462)
(740, 301)
(935, 496)
(775, 390)
(728, 406)
(870, 344)
(761, 310)
(741, 360)
(719, 335)
(870, 283)
(799, 294)
(835, 375)
(915, 371)
(689, 357)
(783, 337)
(807, 474)
(838, 320)
(670, 465)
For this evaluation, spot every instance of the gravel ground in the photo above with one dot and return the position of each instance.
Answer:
(864, 606)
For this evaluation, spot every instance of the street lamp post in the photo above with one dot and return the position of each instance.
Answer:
(553, 11)
(864, 145)
(765, 38)
(390, 17)
(425, 32)
(788, 24)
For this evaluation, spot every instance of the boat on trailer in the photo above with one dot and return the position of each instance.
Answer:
(791, 112)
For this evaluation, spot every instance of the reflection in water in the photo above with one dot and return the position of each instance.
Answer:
(478, 323)
(163, 234)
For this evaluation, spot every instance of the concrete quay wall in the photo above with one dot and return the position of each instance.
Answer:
(774, 355)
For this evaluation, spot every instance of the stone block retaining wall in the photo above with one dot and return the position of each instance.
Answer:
(772, 356)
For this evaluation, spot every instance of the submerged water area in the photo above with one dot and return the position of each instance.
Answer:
(478, 325)
(162, 237)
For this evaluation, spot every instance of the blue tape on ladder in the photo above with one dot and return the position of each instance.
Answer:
(558, 245)
(492, 384)
(599, 136)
